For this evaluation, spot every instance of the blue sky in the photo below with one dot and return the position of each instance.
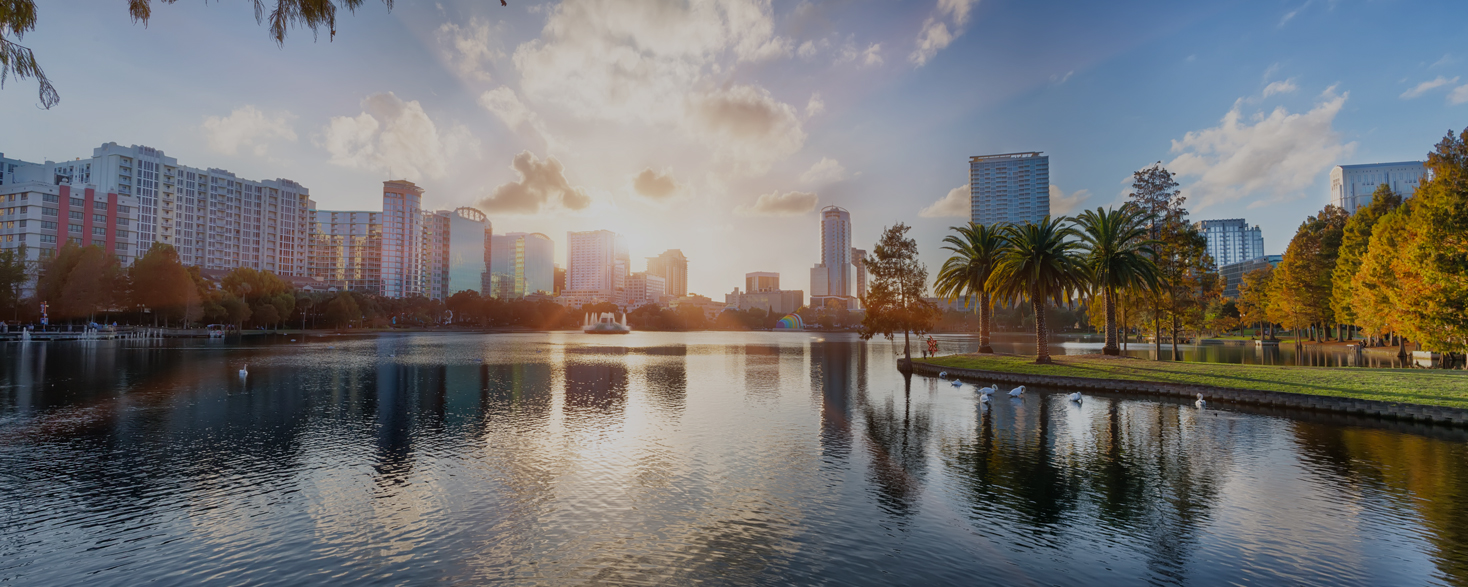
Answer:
(720, 127)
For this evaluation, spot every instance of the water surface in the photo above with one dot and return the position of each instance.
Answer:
(757, 458)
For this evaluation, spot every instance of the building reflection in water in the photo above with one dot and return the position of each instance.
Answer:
(665, 373)
(831, 377)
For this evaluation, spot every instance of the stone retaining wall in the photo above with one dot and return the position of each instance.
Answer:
(1365, 407)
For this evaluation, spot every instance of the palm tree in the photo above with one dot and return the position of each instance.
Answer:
(1119, 257)
(1039, 264)
(975, 250)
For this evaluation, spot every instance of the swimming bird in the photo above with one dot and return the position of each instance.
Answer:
(1016, 392)
(244, 371)
(1201, 403)
(957, 383)
(942, 374)
(1075, 397)
(984, 399)
(987, 390)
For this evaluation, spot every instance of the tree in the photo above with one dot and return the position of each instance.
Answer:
(1155, 192)
(1355, 238)
(1254, 302)
(1039, 264)
(14, 271)
(19, 16)
(79, 281)
(1119, 256)
(975, 248)
(1432, 272)
(342, 311)
(1303, 282)
(1189, 280)
(894, 299)
(161, 284)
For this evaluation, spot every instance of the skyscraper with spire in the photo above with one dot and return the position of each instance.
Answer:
(831, 279)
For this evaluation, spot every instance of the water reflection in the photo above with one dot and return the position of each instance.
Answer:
(670, 459)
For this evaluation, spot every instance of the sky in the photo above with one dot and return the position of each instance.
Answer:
(721, 127)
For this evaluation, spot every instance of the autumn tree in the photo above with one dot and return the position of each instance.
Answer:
(268, 298)
(1303, 283)
(1375, 295)
(1155, 193)
(1254, 302)
(162, 285)
(894, 299)
(1432, 271)
(1355, 238)
(78, 282)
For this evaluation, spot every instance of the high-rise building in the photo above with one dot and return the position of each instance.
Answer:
(437, 240)
(1233, 273)
(521, 264)
(1009, 187)
(346, 250)
(1232, 240)
(775, 301)
(644, 289)
(761, 281)
(596, 267)
(469, 250)
(672, 266)
(42, 216)
(858, 262)
(1351, 186)
(830, 280)
(402, 242)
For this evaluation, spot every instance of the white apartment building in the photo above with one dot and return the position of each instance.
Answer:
(1232, 240)
(596, 266)
(402, 241)
(346, 250)
(644, 289)
(1351, 186)
(42, 216)
(1009, 187)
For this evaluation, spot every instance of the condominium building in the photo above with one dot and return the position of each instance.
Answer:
(469, 250)
(1351, 186)
(521, 264)
(1009, 187)
(761, 281)
(645, 289)
(1232, 240)
(436, 254)
(1233, 273)
(596, 266)
(42, 216)
(402, 243)
(858, 263)
(672, 266)
(346, 250)
(830, 280)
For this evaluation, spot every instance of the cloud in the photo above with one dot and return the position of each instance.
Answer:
(1279, 153)
(870, 56)
(249, 128)
(1291, 14)
(505, 105)
(395, 137)
(936, 34)
(815, 105)
(823, 172)
(746, 127)
(1060, 79)
(1458, 96)
(1428, 86)
(1446, 60)
(542, 186)
(774, 204)
(468, 49)
(655, 186)
(1061, 204)
(957, 203)
(1280, 87)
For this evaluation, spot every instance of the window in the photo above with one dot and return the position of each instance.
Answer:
(124, 210)
(54, 199)
(122, 222)
(48, 238)
(50, 212)
(77, 228)
(99, 218)
(74, 214)
(48, 225)
(76, 202)
(99, 231)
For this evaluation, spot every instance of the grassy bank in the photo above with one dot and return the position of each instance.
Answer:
(1416, 386)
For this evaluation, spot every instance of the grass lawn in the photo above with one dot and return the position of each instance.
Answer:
(1417, 386)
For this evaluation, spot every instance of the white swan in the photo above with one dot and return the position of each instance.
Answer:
(942, 374)
(1075, 397)
(957, 383)
(987, 390)
(244, 371)
(983, 399)
(1016, 392)
(1201, 403)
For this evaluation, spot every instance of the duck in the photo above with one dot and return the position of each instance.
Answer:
(987, 390)
(1201, 403)
(244, 371)
(1075, 397)
(1016, 392)
(942, 374)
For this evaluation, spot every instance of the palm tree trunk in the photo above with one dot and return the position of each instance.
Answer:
(986, 319)
(1110, 301)
(1042, 340)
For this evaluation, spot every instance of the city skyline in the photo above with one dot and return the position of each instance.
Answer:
(474, 85)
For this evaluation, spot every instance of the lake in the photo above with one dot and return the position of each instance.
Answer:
(669, 458)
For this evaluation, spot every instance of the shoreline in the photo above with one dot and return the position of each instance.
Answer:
(1187, 380)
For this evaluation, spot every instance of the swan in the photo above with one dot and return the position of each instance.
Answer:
(957, 383)
(1016, 392)
(942, 374)
(1075, 397)
(1201, 403)
(987, 390)
(244, 371)
(983, 399)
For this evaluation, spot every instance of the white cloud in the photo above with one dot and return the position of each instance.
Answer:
(504, 104)
(655, 186)
(815, 105)
(249, 128)
(823, 172)
(1446, 60)
(872, 55)
(747, 128)
(542, 187)
(1060, 79)
(395, 137)
(809, 49)
(1291, 14)
(468, 49)
(1061, 204)
(956, 204)
(936, 34)
(1279, 153)
(1458, 96)
(1280, 87)
(1428, 86)
(774, 204)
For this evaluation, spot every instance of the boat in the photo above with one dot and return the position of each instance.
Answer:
(605, 323)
